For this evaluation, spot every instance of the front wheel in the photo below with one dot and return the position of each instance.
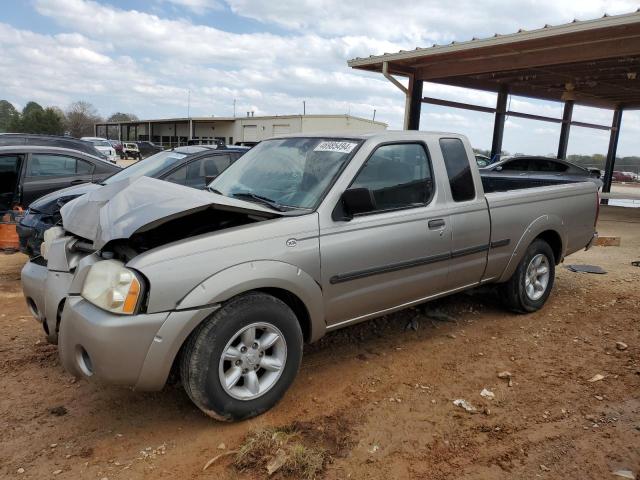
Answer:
(530, 286)
(240, 362)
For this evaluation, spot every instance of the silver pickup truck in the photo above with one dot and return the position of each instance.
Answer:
(301, 236)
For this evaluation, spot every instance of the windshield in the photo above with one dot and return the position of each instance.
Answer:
(149, 167)
(290, 172)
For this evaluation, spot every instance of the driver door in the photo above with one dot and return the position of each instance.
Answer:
(395, 254)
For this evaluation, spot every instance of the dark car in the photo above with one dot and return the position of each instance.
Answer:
(543, 168)
(193, 166)
(148, 148)
(117, 146)
(29, 172)
(12, 139)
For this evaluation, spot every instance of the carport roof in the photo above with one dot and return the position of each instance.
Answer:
(594, 62)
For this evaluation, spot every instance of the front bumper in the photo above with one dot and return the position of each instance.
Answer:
(132, 350)
(45, 292)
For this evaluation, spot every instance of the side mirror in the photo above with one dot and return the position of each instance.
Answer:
(358, 200)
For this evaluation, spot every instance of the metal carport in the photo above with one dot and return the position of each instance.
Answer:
(593, 63)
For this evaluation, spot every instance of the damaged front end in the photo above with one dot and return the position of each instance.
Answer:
(118, 222)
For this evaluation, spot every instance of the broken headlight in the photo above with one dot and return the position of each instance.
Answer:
(113, 287)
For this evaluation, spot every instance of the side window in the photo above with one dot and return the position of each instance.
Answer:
(398, 176)
(84, 168)
(549, 166)
(518, 165)
(195, 174)
(9, 171)
(179, 176)
(458, 169)
(44, 165)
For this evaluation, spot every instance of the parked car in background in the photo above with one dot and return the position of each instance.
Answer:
(206, 141)
(543, 168)
(117, 146)
(14, 139)
(302, 236)
(103, 145)
(30, 172)
(623, 176)
(192, 166)
(148, 148)
(131, 150)
(482, 160)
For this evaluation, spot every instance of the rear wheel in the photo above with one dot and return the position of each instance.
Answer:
(241, 360)
(530, 286)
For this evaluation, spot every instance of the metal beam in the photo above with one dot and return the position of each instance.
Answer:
(415, 104)
(465, 106)
(564, 130)
(498, 124)
(553, 54)
(613, 149)
(509, 113)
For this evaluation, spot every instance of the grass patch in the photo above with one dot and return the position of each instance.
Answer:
(301, 450)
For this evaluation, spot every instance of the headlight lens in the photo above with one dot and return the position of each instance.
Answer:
(113, 287)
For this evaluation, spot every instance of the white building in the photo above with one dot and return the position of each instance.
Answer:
(239, 130)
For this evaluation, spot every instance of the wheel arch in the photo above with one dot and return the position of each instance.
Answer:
(549, 228)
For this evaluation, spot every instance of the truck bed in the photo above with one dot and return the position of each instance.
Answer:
(502, 183)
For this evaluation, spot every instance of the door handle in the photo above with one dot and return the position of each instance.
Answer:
(436, 224)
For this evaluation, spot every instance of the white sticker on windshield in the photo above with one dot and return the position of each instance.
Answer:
(341, 147)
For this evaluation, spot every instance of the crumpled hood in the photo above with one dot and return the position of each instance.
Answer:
(120, 209)
(50, 203)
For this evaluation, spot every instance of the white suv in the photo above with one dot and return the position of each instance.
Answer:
(103, 146)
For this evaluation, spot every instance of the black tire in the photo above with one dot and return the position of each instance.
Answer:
(514, 291)
(202, 352)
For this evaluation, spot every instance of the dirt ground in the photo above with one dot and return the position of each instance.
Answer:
(384, 390)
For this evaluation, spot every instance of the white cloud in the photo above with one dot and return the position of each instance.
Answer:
(148, 69)
(197, 6)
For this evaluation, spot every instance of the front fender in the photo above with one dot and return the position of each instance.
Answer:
(535, 228)
(256, 275)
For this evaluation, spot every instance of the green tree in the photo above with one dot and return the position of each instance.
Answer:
(8, 115)
(31, 107)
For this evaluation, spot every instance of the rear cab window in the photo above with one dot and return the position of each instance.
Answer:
(458, 169)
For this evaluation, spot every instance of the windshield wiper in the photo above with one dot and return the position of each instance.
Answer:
(213, 190)
(260, 199)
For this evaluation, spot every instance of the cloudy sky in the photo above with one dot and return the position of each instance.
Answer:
(144, 56)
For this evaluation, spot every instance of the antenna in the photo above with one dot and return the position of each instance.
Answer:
(304, 107)
(374, 115)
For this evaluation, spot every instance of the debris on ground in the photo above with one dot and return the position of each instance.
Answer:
(604, 241)
(459, 402)
(437, 314)
(218, 457)
(621, 346)
(587, 269)
(544, 468)
(58, 411)
(596, 378)
(624, 474)
(412, 324)
(506, 376)
(487, 394)
(635, 263)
